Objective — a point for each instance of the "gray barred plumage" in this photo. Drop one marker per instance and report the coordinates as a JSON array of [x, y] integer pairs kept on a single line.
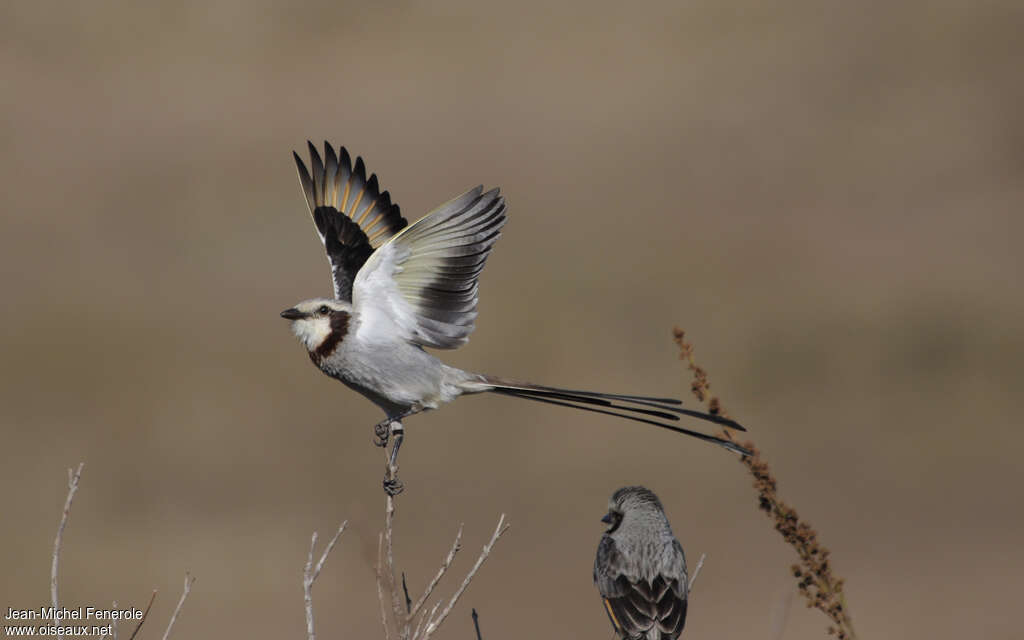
[[640, 568]]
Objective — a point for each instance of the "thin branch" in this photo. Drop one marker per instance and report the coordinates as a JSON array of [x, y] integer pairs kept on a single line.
[[380, 586], [307, 587], [408, 600], [73, 477], [327, 551], [476, 625], [389, 523], [145, 614], [696, 572], [498, 531], [440, 572], [184, 594], [425, 618], [311, 573]]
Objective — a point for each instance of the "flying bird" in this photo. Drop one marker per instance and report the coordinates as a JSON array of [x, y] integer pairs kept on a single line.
[[399, 288], [640, 568]]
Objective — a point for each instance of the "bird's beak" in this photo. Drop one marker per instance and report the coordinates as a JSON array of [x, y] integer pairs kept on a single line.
[[607, 519], [292, 314]]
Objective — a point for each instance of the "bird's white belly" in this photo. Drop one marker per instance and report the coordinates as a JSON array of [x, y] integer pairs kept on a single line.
[[396, 377]]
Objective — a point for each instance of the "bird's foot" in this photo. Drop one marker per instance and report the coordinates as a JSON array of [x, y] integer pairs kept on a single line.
[[393, 486], [382, 433]]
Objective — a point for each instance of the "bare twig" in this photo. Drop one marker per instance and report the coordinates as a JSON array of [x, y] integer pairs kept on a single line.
[[456, 546], [145, 614], [476, 625], [405, 592], [184, 594], [311, 573], [380, 587], [396, 597], [73, 477], [425, 618], [411, 619], [696, 572], [435, 624]]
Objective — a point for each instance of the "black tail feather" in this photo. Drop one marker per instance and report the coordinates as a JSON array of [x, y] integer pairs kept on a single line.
[[663, 405], [617, 396], [596, 400], [580, 400]]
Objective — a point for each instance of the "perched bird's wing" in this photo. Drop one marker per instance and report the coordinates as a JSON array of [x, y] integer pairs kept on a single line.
[[634, 605], [421, 284], [351, 214]]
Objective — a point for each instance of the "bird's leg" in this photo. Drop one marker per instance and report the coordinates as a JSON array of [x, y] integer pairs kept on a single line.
[[392, 485], [382, 430]]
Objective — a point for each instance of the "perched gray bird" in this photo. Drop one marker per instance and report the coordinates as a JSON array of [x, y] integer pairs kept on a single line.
[[640, 569], [399, 288]]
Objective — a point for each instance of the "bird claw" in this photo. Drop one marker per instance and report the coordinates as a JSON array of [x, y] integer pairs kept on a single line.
[[393, 486], [382, 433]]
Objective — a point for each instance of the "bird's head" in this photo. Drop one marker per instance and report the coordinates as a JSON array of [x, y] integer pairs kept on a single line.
[[632, 504], [319, 322]]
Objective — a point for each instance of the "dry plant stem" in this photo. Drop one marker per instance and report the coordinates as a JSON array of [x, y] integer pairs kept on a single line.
[[476, 625], [114, 621], [145, 614], [405, 592], [181, 601], [380, 587], [448, 559], [498, 531], [696, 572], [396, 597], [410, 620], [311, 573], [821, 588], [73, 477]]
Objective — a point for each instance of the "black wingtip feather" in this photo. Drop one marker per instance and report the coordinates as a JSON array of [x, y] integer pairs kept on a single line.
[[331, 165], [306, 181], [318, 173]]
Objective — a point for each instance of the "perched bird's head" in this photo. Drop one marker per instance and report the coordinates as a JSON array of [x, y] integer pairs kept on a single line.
[[320, 323], [633, 506]]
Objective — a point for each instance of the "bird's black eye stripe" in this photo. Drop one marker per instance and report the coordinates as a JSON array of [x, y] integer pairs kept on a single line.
[[324, 309], [616, 521]]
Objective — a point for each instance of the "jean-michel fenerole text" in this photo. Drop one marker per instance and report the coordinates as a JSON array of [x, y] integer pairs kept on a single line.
[[58, 614]]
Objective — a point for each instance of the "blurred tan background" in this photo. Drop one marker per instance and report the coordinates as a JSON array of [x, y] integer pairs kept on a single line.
[[827, 196]]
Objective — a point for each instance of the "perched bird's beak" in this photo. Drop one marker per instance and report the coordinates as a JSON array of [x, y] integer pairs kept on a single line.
[[607, 519], [292, 314]]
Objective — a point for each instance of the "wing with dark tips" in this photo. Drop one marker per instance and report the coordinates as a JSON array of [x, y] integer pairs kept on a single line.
[[637, 606], [352, 215], [422, 284]]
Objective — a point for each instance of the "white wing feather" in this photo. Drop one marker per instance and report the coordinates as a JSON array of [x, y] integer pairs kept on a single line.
[[422, 283]]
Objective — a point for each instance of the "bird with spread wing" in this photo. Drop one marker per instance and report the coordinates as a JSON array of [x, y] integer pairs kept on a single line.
[[399, 288]]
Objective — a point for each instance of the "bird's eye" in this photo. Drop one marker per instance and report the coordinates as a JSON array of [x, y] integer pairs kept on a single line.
[[324, 309], [613, 519]]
